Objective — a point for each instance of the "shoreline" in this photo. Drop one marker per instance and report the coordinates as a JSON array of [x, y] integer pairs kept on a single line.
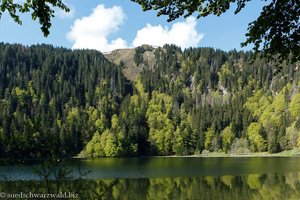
[[288, 153]]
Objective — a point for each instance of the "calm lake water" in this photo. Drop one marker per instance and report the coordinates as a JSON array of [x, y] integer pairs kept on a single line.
[[166, 178]]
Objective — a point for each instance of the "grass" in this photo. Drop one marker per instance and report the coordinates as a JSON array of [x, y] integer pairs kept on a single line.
[[288, 153]]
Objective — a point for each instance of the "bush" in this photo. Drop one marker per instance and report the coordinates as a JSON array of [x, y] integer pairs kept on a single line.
[[240, 146]]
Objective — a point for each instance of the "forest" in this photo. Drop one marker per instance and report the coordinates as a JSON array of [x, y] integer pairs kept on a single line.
[[57, 102]]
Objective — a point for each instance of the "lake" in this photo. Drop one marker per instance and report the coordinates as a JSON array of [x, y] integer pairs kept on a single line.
[[164, 178]]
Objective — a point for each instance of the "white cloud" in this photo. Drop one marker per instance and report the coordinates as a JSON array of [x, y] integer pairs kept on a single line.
[[183, 34], [92, 32]]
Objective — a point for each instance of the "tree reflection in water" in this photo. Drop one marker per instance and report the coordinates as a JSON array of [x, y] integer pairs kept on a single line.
[[268, 186]]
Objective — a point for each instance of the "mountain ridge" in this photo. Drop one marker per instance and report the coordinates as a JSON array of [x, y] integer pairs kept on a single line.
[[129, 61]]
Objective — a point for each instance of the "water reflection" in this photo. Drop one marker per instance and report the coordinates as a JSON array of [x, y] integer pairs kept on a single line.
[[254, 186], [118, 168]]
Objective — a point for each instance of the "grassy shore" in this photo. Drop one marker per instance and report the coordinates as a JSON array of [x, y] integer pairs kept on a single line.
[[288, 153], [294, 152]]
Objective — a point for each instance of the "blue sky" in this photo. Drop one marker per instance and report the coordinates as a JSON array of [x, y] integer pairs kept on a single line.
[[109, 24]]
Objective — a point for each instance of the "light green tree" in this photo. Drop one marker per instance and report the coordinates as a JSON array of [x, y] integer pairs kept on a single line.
[[257, 142], [161, 133], [292, 136], [178, 147], [94, 148], [227, 138], [294, 106], [258, 103], [209, 136], [161, 128]]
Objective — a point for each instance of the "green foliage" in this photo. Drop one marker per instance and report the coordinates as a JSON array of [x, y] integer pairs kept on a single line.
[[277, 26], [292, 135], [178, 148], [161, 128], [273, 146], [94, 148], [227, 138], [103, 145], [160, 103], [257, 142], [225, 75], [110, 148], [209, 135], [274, 114], [139, 86], [138, 55], [294, 106], [52, 101], [161, 132], [240, 146], [56, 102], [258, 103]]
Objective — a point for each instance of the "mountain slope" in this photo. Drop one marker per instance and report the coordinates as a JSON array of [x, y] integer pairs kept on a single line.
[[49, 97], [133, 61], [154, 101]]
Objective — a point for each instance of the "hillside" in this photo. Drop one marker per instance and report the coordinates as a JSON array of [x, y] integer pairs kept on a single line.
[[49, 95], [133, 61], [144, 101]]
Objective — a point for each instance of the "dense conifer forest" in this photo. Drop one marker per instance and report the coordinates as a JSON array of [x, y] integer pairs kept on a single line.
[[56, 102]]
